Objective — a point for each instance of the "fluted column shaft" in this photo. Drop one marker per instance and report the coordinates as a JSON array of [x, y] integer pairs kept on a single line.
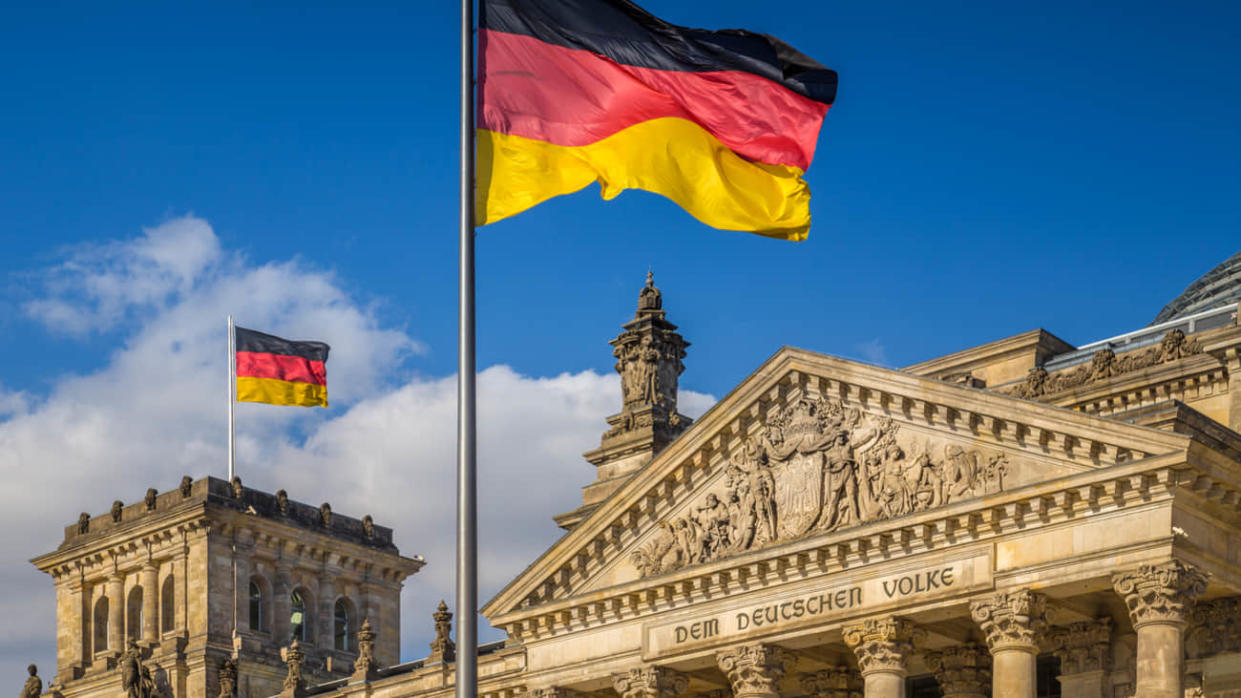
[[150, 599], [882, 647], [1011, 622], [1160, 598], [116, 613], [755, 670]]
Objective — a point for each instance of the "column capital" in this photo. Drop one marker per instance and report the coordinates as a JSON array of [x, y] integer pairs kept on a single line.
[[882, 645], [837, 682], [554, 692], [1160, 593], [650, 682], [1083, 646], [1011, 620], [755, 669], [961, 670]]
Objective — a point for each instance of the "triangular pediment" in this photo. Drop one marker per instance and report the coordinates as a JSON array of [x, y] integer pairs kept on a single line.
[[812, 445]]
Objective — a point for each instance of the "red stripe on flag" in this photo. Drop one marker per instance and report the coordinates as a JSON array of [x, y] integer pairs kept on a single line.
[[294, 369], [571, 97]]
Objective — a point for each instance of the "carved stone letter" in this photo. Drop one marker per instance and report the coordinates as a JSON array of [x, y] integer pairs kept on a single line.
[[755, 670]]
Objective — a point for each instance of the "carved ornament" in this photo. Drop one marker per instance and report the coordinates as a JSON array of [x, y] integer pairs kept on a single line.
[[227, 676], [815, 467], [650, 682], [882, 644], [1084, 646], [1215, 628], [1105, 364], [294, 686], [1161, 593], [365, 666], [755, 669], [1011, 620], [962, 671], [443, 649], [837, 682], [555, 692]]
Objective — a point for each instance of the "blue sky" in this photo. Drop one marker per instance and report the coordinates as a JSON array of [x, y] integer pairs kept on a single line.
[[987, 169]]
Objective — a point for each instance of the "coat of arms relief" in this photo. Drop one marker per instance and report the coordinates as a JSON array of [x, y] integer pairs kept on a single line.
[[817, 467]]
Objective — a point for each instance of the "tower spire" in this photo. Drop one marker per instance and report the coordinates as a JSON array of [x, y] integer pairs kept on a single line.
[[649, 353]]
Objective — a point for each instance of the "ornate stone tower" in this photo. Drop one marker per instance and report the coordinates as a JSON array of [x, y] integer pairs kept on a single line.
[[211, 580], [648, 358]]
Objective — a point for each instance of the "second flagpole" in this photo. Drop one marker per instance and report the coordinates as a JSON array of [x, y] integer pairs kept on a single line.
[[467, 518], [232, 399]]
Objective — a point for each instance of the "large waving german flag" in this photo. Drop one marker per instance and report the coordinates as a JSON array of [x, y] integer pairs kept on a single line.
[[724, 123], [280, 372]]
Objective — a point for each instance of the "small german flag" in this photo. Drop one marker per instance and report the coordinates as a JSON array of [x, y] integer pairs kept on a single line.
[[280, 372]]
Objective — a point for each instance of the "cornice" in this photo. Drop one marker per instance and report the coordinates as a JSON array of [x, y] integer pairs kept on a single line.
[[1140, 484], [986, 353], [1000, 421]]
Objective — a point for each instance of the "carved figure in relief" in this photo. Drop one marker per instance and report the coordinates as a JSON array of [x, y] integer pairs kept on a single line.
[[817, 466], [1106, 363]]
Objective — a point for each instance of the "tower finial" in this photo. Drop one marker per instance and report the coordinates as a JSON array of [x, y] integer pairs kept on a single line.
[[650, 299], [650, 277]]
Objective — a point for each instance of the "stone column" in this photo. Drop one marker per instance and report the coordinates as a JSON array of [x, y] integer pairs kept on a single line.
[[1012, 621], [116, 613], [755, 670], [962, 671], [241, 585], [181, 565], [72, 611], [281, 606], [327, 613], [883, 647], [1160, 598], [650, 682], [150, 602], [1085, 653], [838, 682]]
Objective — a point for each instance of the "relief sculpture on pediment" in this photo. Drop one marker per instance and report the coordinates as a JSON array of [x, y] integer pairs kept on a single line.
[[1104, 364], [816, 467]]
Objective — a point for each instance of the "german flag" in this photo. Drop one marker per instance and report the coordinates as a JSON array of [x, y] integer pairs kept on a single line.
[[724, 123], [280, 372]]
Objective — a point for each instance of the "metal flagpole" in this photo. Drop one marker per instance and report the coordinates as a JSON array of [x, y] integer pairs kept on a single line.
[[467, 536], [232, 398]]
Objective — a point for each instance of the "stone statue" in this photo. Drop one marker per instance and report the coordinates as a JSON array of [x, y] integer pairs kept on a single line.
[[34, 685], [325, 514], [83, 523], [368, 526], [135, 678], [282, 502], [150, 498], [238, 490], [118, 508], [187, 486]]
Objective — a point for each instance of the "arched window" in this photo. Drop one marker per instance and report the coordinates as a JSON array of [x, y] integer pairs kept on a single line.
[[342, 625], [101, 625], [297, 618], [256, 606], [168, 606], [133, 614]]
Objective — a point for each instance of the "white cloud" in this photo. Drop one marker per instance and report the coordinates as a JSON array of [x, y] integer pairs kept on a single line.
[[872, 351], [155, 411]]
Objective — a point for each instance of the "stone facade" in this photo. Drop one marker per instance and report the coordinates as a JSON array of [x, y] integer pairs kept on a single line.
[[1015, 520], [209, 581]]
